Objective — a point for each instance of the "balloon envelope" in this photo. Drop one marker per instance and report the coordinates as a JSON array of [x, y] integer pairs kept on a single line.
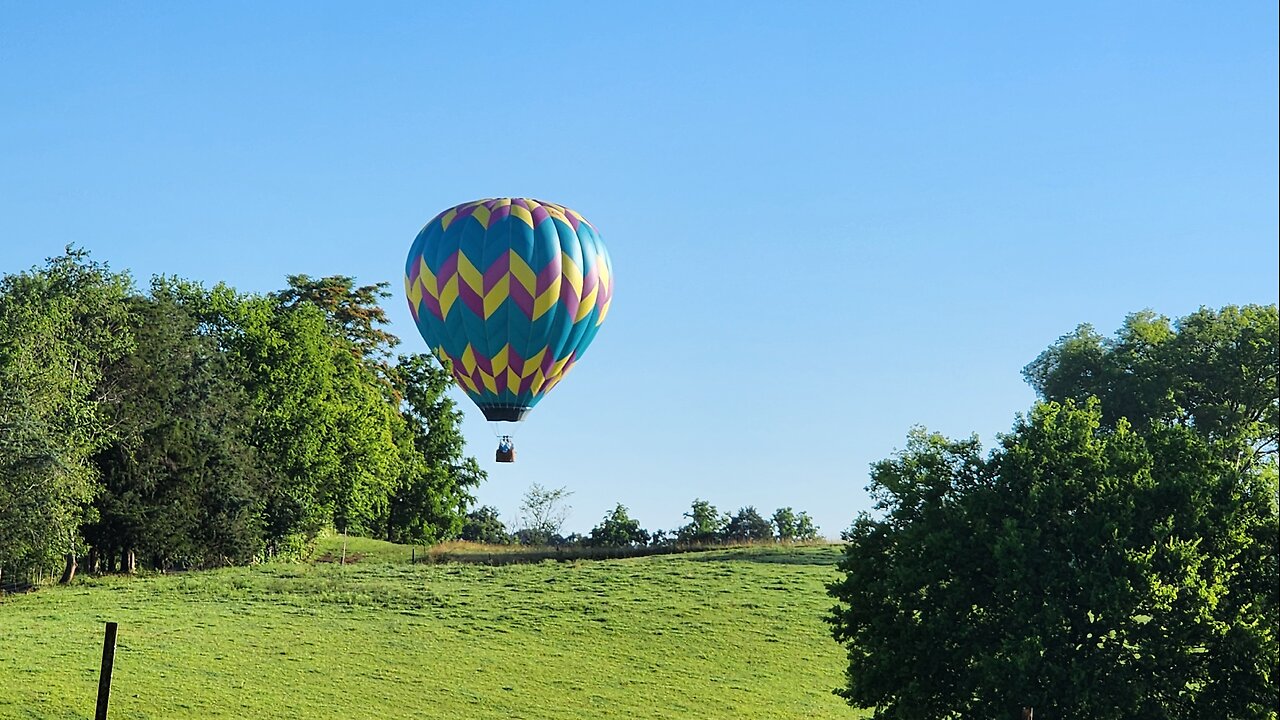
[[510, 291]]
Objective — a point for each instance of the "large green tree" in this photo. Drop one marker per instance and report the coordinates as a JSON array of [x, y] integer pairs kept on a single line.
[[1081, 570], [323, 423], [1115, 557], [403, 469], [181, 483], [60, 325]]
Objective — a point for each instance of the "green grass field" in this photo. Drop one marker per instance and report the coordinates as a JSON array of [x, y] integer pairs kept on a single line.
[[717, 634]]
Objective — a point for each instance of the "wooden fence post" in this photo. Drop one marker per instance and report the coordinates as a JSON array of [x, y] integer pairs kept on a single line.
[[104, 680]]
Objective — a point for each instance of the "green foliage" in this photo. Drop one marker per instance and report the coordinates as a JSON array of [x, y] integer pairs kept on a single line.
[[1080, 570], [330, 421], [1214, 371], [785, 523], [1113, 558], [705, 524], [618, 529], [353, 310], [197, 427], [181, 483], [542, 514], [715, 635], [747, 526], [430, 499], [805, 529], [59, 326], [483, 525], [791, 526]]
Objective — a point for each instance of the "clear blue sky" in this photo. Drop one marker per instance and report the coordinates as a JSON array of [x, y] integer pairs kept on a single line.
[[828, 221]]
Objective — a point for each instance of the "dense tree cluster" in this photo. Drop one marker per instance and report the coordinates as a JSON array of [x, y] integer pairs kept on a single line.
[[543, 512], [1116, 556], [193, 427]]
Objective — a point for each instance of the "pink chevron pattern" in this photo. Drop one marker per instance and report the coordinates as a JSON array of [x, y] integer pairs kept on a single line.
[[508, 300]]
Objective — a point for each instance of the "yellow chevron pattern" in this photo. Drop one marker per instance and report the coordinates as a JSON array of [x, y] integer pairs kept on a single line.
[[469, 303]]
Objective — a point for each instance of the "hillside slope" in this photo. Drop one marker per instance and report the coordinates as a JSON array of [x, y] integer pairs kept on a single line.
[[727, 634]]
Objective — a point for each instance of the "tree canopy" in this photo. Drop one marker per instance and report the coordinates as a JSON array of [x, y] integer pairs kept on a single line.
[[1114, 557], [618, 529], [194, 426]]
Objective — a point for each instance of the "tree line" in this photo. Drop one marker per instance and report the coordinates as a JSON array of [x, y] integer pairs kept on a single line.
[[1116, 555], [543, 512], [180, 425]]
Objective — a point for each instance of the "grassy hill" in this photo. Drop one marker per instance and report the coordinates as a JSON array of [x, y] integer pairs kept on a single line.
[[717, 634]]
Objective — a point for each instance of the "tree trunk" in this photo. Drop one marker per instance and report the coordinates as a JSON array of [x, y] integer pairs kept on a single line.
[[69, 570], [92, 561], [128, 562]]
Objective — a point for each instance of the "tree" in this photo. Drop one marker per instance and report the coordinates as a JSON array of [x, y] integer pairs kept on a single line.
[[1084, 571], [1213, 371], [181, 484], [895, 569], [1105, 561], [420, 492], [792, 526], [430, 499], [805, 529], [353, 310], [704, 526], [748, 526], [60, 325], [784, 523], [618, 529], [324, 422], [542, 514], [196, 426], [483, 525]]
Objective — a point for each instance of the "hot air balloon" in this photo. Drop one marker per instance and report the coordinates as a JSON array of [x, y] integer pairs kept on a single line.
[[510, 292]]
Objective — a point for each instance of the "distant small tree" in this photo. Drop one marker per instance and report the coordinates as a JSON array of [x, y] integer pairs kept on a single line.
[[705, 524], [794, 527], [747, 526], [784, 524], [661, 537], [542, 514], [483, 525], [618, 529], [806, 531]]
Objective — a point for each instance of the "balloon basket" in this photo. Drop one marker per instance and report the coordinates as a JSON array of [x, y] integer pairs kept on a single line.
[[505, 456]]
